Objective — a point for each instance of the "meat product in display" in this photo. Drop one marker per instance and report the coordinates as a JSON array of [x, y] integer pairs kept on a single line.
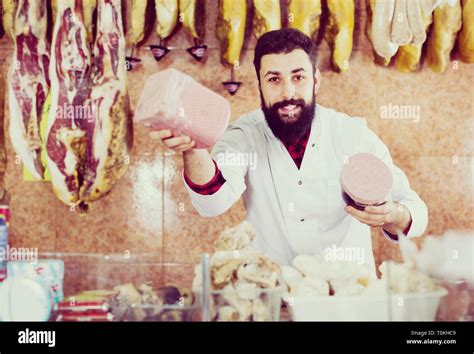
[[230, 29], [70, 88], [8, 16], [244, 279], [408, 56], [138, 17], [88, 8], [266, 17], [466, 36], [415, 21], [28, 83], [304, 15], [112, 135], [88, 133], [193, 15], [401, 32], [166, 17], [378, 30], [447, 22], [366, 179], [173, 100], [339, 31]]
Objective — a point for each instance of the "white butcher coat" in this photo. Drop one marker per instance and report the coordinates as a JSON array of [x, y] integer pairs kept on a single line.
[[300, 211]]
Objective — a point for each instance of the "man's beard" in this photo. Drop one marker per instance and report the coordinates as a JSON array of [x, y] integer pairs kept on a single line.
[[291, 130]]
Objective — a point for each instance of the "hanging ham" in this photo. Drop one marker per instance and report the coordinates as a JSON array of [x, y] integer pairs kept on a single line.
[[266, 17], [89, 132], [111, 140], [8, 15], [166, 17], [69, 120], [28, 83]]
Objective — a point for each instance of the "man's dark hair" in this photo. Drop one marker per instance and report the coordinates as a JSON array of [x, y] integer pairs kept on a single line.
[[284, 40]]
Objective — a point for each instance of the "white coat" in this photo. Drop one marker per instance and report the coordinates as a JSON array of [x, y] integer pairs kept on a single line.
[[300, 211]]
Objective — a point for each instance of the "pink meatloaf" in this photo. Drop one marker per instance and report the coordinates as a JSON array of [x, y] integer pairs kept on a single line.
[[173, 100], [366, 179]]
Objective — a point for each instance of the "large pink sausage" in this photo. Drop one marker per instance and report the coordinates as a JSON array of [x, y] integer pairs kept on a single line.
[[173, 100], [366, 179]]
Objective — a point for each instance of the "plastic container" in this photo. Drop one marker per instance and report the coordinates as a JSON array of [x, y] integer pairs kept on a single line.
[[458, 305], [230, 304], [395, 307], [100, 273], [263, 305], [23, 299], [165, 313], [47, 272], [41, 268]]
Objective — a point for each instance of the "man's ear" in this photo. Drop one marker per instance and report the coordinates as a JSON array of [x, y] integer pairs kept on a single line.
[[317, 81]]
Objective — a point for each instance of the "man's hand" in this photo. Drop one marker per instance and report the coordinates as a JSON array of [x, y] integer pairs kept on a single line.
[[392, 216], [177, 143], [198, 164]]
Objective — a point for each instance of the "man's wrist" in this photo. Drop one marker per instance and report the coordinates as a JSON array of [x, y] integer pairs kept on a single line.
[[402, 220], [192, 152]]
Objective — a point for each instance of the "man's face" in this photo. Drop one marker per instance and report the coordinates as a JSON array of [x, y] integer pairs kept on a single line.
[[287, 89]]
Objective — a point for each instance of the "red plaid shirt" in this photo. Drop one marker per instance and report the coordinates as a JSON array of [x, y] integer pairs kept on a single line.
[[296, 151]]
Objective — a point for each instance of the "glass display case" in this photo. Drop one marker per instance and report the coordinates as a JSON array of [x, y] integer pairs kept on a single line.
[[122, 287]]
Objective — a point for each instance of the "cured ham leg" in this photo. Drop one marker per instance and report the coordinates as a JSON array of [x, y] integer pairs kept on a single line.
[[305, 16], [415, 20], [70, 113], [193, 15], [466, 36], [408, 56], [88, 8], [447, 21], [111, 135], [339, 32], [230, 29], [28, 83], [8, 15], [166, 17], [267, 16], [138, 17], [89, 131], [380, 15], [401, 32]]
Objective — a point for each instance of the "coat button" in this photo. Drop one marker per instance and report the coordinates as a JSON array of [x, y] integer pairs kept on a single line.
[[300, 182], [301, 220], [313, 145]]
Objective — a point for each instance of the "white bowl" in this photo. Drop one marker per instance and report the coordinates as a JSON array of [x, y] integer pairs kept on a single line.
[[403, 307]]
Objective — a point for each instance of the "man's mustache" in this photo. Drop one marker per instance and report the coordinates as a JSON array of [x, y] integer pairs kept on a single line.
[[281, 104]]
